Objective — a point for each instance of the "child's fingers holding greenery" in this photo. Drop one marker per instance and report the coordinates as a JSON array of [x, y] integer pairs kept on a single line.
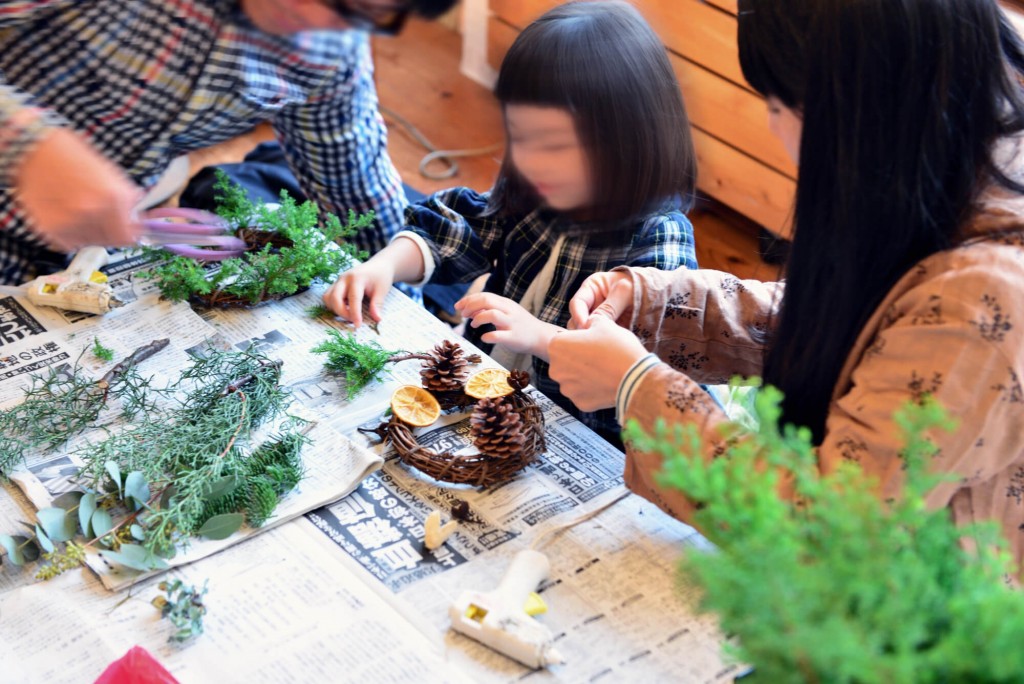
[[605, 294], [516, 328]]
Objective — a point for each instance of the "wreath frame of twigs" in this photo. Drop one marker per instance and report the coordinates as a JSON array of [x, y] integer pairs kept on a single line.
[[476, 469]]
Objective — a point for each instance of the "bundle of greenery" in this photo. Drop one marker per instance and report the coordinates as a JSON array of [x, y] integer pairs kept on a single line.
[[289, 248], [835, 584]]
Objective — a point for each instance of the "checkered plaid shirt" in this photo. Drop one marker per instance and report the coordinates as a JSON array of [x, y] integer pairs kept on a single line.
[[148, 80], [466, 242]]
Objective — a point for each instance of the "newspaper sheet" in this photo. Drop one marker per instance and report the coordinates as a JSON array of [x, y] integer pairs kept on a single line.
[[615, 603], [281, 609], [614, 600], [35, 339]]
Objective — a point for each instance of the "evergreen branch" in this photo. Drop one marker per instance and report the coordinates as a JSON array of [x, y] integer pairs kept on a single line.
[[361, 364], [836, 584], [289, 248], [61, 404]]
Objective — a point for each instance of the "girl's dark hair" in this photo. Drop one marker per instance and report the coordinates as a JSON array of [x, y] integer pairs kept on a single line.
[[902, 102], [603, 63], [431, 9]]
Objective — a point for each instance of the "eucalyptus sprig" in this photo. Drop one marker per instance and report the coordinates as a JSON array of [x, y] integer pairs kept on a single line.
[[835, 584], [184, 607]]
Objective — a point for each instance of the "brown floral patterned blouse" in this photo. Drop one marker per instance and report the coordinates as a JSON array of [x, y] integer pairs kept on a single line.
[[953, 327]]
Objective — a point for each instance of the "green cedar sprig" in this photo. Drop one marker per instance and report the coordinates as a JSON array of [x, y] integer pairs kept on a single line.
[[62, 403], [154, 484], [319, 311], [319, 251], [843, 586], [360, 363], [100, 352]]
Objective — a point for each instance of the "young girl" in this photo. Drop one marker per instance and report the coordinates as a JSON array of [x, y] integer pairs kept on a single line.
[[599, 172], [907, 267]]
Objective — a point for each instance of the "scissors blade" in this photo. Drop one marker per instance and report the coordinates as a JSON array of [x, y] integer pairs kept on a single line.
[[159, 239]]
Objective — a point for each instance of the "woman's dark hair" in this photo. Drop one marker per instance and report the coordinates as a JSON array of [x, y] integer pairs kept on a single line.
[[603, 63], [902, 102]]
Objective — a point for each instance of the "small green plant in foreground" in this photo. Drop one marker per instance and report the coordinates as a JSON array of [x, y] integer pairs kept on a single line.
[[842, 587]]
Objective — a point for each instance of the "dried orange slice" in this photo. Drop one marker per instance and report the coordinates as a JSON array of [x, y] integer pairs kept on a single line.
[[415, 406], [489, 383]]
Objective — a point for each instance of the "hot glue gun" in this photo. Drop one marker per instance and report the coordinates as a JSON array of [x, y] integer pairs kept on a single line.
[[82, 287], [501, 618]]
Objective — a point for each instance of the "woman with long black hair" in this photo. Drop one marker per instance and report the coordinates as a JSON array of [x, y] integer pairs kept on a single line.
[[907, 267]]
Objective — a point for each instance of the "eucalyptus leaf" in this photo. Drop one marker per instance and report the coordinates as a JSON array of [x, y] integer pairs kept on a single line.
[[221, 526], [86, 507], [138, 532], [135, 557], [13, 546], [136, 487], [43, 540], [68, 500], [102, 522], [115, 474], [57, 523], [220, 488]]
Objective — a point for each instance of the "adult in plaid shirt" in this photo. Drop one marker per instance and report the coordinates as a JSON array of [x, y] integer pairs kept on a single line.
[[97, 96]]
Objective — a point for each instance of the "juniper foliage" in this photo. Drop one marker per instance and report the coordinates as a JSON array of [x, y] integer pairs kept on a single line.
[[842, 587]]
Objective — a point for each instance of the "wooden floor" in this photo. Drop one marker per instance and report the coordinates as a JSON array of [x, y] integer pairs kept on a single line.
[[419, 84]]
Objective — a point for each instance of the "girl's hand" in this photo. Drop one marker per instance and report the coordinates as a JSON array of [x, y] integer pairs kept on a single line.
[[372, 279], [589, 365], [399, 261], [517, 328], [602, 295], [75, 196]]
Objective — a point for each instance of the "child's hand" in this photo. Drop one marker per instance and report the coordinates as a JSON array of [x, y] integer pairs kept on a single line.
[[399, 261], [372, 279], [517, 329]]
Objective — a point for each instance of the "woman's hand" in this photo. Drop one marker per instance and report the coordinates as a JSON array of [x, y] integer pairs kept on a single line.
[[75, 196], [589, 365], [400, 261], [517, 329], [606, 295]]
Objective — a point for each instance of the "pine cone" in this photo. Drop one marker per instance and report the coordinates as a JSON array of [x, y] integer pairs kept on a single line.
[[496, 428], [446, 371], [518, 379]]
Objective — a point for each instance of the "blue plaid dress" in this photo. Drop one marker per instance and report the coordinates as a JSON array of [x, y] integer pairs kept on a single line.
[[466, 242], [148, 80]]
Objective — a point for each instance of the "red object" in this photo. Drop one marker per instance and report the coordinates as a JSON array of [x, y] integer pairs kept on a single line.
[[136, 667]]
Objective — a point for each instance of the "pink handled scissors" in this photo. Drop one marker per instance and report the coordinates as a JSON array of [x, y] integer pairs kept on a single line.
[[191, 233]]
